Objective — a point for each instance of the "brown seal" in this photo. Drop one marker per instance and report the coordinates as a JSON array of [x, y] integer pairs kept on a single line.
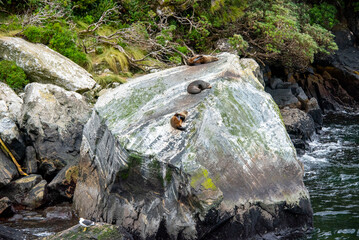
[[201, 59], [178, 119]]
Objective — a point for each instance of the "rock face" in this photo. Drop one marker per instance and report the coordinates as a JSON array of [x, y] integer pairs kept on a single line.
[[53, 119], [8, 170], [42, 64], [10, 110], [10, 103], [232, 174]]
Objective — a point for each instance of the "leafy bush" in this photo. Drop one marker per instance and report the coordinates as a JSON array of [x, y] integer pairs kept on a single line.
[[12, 75], [278, 31], [59, 38], [237, 42], [324, 15]]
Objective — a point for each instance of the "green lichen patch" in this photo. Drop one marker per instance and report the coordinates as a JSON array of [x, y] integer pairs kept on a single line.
[[125, 108], [202, 178]]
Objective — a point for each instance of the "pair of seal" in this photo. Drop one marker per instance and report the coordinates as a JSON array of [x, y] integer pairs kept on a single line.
[[201, 59], [178, 119]]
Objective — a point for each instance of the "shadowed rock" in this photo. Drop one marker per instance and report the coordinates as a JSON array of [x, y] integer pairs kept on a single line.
[[8, 170], [53, 118], [232, 174]]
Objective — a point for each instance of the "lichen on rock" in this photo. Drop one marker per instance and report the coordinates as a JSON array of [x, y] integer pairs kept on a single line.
[[234, 158]]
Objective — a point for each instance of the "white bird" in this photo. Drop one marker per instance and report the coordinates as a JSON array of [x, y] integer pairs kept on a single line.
[[86, 223]]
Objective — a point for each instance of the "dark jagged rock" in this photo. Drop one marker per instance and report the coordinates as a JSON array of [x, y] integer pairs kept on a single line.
[[30, 160], [17, 190], [8, 233], [283, 97], [6, 209], [62, 187], [233, 173], [300, 126], [313, 109], [8, 170]]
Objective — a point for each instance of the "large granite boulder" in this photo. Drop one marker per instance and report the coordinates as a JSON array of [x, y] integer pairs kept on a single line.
[[53, 119], [42, 64], [232, 174]]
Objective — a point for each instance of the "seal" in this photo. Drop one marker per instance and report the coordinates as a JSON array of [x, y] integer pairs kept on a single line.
[[178, 119], [201, 59], [197, 86]]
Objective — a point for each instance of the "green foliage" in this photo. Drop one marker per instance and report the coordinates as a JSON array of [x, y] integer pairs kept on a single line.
[[58, 37], [356, 6], [281, 34], [237, 42], [324, 15], [166, 35], [12, 75], [198, 36], [106, 80]]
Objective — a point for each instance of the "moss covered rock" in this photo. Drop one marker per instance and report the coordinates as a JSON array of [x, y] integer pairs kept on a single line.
[[234, 166]]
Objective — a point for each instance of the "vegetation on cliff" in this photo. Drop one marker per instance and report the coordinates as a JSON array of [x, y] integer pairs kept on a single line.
[[130, 36]]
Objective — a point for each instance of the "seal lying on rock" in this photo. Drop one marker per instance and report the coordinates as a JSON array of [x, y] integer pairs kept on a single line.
[[201, 59], [178, 119], [197, 86]]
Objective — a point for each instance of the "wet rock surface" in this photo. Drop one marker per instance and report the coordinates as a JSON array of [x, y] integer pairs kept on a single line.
[[100, 231], [9, 233], [138, 172]]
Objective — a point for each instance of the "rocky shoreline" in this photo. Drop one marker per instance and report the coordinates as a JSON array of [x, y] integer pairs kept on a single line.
[[159, 187]]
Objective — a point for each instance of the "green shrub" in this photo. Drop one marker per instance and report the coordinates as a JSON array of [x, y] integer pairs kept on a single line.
[[278, 32], [12, 75], [238, 43], [59, 38], [324, 15]]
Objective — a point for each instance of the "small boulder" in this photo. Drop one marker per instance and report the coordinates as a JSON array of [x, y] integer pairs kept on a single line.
[[16, 191], [300, 126], [273, 82], [65, 182], [284, 97], [36, 196]]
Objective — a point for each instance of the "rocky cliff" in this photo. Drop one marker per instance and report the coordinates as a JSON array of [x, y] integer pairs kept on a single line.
[[232, 174]]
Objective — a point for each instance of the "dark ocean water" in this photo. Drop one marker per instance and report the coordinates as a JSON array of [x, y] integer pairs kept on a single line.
[[332, 178]]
